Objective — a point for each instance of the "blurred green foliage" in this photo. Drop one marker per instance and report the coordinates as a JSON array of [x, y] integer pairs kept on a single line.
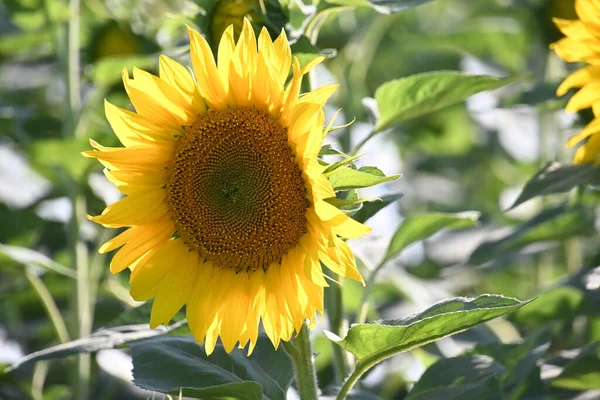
[[453, 156]]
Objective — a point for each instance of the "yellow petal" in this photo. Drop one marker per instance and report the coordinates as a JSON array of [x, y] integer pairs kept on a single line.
[[141, 208], [584, 98], [133, 129], [591, 129], [174, 289], [589, 152], [319, 96], [224, 55], [209, 82], [140, 245], [579, 79], [180, 78], [283, 56], [145, 279]]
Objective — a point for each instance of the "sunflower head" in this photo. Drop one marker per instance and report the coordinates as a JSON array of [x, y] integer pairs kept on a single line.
[[582, 43], [225, 206]]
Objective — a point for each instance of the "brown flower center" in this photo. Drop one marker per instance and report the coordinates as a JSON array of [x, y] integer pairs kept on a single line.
[[236, 193]]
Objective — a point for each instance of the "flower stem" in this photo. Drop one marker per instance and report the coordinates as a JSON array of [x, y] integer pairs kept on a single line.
[[300, 350]]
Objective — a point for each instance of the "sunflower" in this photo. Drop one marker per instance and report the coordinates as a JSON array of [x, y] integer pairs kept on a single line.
[[226, 204], [582, 44]]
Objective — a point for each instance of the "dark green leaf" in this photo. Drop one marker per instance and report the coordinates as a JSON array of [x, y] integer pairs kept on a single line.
[[557, 178], [520, 360], [347, 178], [422, 226], [554, 224], [371, 208], [406, 98], [372, 343], [465, 373], [167, 363], [488, 389]]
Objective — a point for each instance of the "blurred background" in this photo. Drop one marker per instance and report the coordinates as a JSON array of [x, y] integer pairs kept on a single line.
[[56, 70]]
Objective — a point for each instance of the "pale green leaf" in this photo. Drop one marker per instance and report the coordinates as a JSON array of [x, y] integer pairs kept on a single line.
[[423, 226], [406, 98]]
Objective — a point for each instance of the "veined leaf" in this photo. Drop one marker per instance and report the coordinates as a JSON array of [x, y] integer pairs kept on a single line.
[[461, 377], [168, 363], [371, 208], [553, 224], [406, 98], [422, 226], [374, 342], [557, 178], [347, 178]]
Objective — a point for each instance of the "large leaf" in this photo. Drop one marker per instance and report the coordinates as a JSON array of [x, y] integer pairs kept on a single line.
[[168, 363], [382, 6], [550, 225], [374, 342], [458, 378], [406, 98], [423, 226], [557, 178], [346, 178]]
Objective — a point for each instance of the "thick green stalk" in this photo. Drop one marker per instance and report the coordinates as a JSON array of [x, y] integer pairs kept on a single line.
[[300, 350]]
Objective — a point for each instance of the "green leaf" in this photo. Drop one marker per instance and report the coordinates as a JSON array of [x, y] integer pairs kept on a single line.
[[339, 203], [328, 150], [583, 373], [332, 167], [28, 257], [550, 225], [381, 6], [48, 154], [107, 71], [466, 376], [407, 98], [488, 389], [168, 363], [374, 342], [371, 208], [521, 362], [422, 226], [557, 303], [102, 339], [346, 178], [557, 178]]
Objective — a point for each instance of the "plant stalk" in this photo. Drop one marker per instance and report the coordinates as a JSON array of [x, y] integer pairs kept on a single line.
[[300, 350], [334, 307], [78, 250]]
